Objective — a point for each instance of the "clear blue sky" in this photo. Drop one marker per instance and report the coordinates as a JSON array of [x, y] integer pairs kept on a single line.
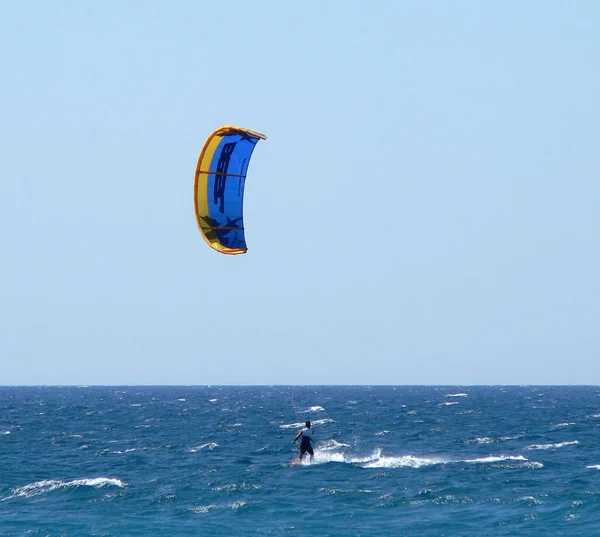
[[426, 209]]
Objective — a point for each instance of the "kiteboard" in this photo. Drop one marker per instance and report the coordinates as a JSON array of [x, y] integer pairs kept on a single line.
[[296, 462]]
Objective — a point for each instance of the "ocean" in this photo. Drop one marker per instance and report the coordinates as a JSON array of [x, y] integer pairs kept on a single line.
[[215, 461]]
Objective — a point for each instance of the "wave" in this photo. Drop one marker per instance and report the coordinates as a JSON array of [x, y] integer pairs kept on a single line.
[[594, 466], [553, 446], [457, 395], [46, 486]]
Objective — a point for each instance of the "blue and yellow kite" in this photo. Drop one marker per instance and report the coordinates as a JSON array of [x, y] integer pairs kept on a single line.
[[219, 187]]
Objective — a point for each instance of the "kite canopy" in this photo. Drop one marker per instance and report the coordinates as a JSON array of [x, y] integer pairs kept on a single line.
[[219, 187]]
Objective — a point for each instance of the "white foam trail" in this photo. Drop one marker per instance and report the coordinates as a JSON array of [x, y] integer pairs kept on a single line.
[[564, 424], [324, 457], [404, 461], [457, 395], [42, 487], [594, 466], [553, 446], [329, 452]]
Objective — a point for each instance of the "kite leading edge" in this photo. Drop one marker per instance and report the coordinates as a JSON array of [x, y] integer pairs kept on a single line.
[[219, 187]]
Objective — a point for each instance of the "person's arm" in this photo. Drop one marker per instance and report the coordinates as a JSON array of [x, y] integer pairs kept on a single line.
[[297, 436]]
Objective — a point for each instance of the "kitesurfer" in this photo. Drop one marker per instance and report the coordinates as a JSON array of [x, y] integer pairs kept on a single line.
[[306, 437]]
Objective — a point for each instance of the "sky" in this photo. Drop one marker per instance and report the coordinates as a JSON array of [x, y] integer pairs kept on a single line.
[[425, 210]]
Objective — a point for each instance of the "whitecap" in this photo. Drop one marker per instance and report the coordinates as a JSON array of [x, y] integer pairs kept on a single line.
[[553, 446], [496, 458], [329, 445], [529, 500], [448, 403], [381, 433], [480, 440], [212, 507], [314, 409], [50, 485], [322, 421], [301, 424], [291, 425], [209, 445], [457, 395], [234, 487], [532, 464]]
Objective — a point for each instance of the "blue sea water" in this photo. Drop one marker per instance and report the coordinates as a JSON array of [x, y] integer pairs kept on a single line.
[[390, 461]]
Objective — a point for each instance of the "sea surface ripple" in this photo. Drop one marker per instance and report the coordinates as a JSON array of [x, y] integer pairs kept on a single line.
[[215, 460]]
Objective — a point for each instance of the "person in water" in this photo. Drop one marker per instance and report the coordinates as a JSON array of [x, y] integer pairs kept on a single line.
[[306, 437]]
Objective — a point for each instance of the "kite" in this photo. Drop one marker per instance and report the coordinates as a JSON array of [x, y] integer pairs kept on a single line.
[[219, 187]]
